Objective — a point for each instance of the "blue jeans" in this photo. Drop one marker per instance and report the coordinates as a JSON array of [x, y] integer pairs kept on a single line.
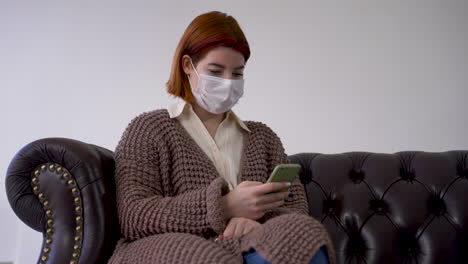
[[252, 257]]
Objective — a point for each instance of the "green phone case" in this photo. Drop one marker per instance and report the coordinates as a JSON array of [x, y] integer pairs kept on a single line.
[[284, 173]]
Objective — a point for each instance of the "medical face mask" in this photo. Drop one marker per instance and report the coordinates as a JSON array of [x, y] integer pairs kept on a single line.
[[217, 95]]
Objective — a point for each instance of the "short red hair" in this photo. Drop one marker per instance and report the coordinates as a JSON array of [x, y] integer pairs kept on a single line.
[[205, 32]]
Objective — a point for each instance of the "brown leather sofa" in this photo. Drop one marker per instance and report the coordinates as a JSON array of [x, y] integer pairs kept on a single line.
[[407, 207]]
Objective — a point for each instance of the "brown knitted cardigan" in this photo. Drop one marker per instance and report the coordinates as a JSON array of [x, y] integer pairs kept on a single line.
[[169, 199]]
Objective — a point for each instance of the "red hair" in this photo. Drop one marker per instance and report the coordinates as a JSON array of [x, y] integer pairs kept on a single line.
[[205, 32]]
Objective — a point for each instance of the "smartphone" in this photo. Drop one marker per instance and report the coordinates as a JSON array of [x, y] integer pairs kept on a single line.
[[284, 173]]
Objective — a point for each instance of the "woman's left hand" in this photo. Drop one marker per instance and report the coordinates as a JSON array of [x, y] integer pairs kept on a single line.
[[239, 226]]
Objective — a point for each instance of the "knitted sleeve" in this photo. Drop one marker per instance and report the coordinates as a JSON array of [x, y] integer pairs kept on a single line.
[[142, 206], [298, 203]]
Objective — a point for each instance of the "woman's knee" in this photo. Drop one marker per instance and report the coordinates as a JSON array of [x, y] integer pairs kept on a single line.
[[294, 221]]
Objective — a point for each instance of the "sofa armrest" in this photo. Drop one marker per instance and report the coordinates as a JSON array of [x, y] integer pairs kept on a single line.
[[65, 189]]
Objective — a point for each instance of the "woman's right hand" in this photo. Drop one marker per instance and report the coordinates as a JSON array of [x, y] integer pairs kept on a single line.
[[251, 199]]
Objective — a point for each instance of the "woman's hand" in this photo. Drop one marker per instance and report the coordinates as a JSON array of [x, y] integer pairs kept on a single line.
[[239, 226], [252, 199]]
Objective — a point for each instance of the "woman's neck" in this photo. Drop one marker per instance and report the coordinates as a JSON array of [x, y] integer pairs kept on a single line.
[[210, 120]]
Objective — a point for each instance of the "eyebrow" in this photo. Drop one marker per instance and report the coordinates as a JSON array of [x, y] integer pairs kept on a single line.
[[222, 66]]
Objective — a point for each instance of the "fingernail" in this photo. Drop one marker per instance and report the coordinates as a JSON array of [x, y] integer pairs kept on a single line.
[[291, 194]]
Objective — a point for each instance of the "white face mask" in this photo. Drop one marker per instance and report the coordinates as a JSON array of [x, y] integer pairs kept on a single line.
[[217, 95]]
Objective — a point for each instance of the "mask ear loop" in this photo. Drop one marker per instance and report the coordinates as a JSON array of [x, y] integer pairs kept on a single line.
[[191, 62]]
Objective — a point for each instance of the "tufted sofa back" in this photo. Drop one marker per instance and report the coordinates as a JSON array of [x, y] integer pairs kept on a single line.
[[407, 207]]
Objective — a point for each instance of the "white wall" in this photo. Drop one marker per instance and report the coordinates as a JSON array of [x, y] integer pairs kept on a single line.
[[366, 75]]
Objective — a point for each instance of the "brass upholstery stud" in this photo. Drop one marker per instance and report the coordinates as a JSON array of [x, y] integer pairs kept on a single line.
[[59, 169], [37, 172], [49, 241], [73, 262], [46, 250], [77, 199], [78, 228], [75, 190], [41, 196], [79, 218], [51, 167], [66, 175], [77, 238], [46, 203], [50, 222], [75, 255], [50, 230], [49, 212], [43, 167], [78, 209], [44, 258], [76, 247], [35, 180], [36, 188], [71, 182]]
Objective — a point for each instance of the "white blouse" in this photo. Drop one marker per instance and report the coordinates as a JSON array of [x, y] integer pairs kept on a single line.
[[225, 149]]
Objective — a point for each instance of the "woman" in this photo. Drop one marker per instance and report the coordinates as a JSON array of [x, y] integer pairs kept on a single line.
[[191, 179]]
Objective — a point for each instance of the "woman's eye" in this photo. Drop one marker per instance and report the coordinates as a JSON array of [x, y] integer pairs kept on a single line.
[[215, 72], [238, 74]]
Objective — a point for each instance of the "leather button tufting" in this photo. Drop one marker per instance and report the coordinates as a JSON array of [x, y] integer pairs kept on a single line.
[[356, 248], [436, 205], [407, 175], [330, 206], [462, 172], [356, 176], [378, 206], [408, 244]]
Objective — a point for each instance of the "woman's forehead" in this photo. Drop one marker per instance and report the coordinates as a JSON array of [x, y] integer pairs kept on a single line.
[[224, 57]]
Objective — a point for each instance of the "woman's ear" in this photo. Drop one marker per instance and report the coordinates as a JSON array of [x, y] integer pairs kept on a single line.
[[187, 65]]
